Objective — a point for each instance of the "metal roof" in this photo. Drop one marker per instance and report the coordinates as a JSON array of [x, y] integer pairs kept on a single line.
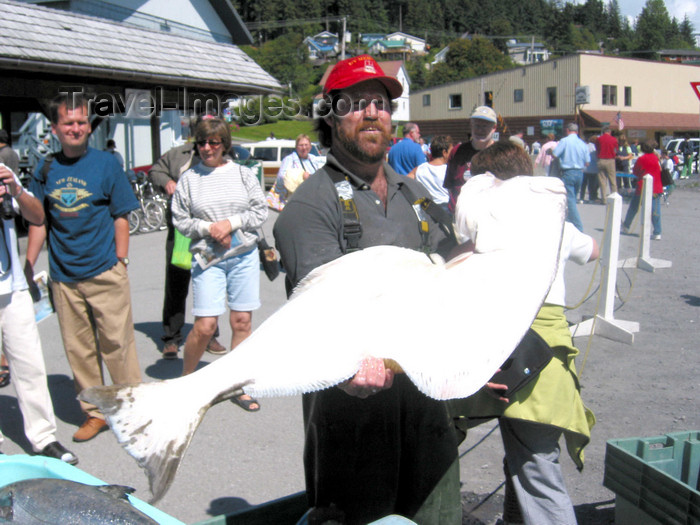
[[35, 38]]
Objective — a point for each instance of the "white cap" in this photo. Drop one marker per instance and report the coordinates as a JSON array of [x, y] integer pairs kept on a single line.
[[485, 113]]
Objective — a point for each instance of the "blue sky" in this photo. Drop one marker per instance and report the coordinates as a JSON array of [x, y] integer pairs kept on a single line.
[[677, 8]]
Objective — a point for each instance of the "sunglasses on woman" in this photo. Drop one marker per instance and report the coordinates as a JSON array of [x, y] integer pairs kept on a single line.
[[212, 143]]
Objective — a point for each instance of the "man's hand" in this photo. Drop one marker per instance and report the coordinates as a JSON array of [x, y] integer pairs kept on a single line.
[[220, 231], [7, 180], [372, 377], [496, 390], [170, 187]]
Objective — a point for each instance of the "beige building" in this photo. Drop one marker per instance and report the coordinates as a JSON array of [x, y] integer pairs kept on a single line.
[[653, 99]]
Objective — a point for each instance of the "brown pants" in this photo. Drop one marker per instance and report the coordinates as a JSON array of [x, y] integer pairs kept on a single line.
[[96, 325], [606, 173]]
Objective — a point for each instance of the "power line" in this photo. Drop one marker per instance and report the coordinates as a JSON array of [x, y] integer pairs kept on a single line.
[[271, 24]]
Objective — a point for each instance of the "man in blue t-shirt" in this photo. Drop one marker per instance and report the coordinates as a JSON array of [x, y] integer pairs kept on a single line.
[[407, 155], [87, 198]]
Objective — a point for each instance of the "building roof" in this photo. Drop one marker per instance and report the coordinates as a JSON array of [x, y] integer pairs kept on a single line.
[[388, 44], [641, 120], [236, 31], [405, 36], [35, 38], [319, 46]]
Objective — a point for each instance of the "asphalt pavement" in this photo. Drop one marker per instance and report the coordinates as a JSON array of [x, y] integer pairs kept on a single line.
[[239, 459]]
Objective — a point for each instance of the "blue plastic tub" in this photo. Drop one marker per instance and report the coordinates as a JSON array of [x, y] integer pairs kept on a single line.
[[19, 467]]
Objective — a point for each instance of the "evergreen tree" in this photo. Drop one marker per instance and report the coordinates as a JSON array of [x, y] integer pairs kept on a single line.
[[687, 32], [652, 29], [614, 20]]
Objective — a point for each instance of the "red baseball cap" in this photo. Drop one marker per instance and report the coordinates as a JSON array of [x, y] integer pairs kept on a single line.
[[354, 70]]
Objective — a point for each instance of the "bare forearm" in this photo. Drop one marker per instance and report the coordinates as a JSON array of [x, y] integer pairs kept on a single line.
[[35, 240], [121, 236], [30, 208]]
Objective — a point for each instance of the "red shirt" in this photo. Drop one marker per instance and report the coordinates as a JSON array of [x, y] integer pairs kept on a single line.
[[648, 164], [606, 146]]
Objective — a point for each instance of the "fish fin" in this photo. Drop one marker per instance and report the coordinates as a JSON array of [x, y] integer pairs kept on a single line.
[[6, 511], [117, 491], [155, 432]]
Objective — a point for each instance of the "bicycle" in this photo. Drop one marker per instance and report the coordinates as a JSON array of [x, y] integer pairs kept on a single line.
[[150, 216]]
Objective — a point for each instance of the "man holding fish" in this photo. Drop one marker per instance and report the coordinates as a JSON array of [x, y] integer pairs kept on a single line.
[[375, 445]]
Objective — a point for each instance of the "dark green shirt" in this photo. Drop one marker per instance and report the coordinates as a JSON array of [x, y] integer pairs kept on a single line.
[[309, 231]]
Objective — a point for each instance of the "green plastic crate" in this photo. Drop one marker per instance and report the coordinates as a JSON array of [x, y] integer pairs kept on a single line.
[[659, 476]]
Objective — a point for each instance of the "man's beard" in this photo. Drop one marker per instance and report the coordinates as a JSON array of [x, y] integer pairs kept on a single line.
[[355, 147]]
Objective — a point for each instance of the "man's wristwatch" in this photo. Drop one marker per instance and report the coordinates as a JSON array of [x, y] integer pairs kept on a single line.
[[124, 260]]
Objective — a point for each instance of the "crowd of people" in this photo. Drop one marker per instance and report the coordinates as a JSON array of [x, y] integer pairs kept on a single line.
[[374, 446]]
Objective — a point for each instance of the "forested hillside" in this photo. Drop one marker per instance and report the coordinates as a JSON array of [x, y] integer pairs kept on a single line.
[[562, 26]]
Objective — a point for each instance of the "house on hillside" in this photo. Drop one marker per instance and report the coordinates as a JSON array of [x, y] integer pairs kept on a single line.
[[322, 46], [642, 98], [416, 44], [388, 49], [527, 52], [149, 72], [396, 69], [366, 38]]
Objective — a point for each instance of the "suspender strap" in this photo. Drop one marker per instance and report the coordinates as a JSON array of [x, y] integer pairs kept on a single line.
[[352, 229], [435, 211]]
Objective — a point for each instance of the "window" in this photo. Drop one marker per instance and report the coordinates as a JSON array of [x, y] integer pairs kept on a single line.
[[628, 95], [488, 98], [517, 95], [426, 100], [551, 97], [456, 101], [609, 95], [265, 153]]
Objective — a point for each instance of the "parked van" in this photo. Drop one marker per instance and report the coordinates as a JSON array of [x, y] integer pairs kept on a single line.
[[674, 148], [271, 153], [674, 145]]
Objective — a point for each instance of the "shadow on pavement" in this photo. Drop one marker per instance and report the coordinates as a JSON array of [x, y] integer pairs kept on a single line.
[[225, 506], [63, 396], [12, 423], [692, 300]]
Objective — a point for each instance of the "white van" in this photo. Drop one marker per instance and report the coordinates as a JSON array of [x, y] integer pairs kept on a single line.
[[674, 147], [271, 153]]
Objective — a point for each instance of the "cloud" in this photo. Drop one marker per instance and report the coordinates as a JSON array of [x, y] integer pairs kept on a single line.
[[681, 8]]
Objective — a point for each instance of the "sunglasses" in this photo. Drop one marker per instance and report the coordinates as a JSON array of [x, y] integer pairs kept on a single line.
[[212, 143]]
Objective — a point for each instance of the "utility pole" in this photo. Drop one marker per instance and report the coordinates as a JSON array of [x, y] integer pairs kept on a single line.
[[342, 43]]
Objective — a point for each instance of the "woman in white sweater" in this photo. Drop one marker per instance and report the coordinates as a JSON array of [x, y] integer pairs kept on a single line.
[[219, 204]]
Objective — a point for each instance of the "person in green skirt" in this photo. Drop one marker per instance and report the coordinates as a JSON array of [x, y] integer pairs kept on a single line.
[[533, 419]]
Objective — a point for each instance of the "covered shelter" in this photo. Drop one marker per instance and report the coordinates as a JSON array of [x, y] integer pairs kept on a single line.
[[133, 71]]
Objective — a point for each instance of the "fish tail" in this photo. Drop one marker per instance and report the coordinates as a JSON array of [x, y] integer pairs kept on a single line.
[[151, 426]]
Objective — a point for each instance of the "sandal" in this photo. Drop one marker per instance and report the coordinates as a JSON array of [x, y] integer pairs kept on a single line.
[[4, 376], [245, 403]]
